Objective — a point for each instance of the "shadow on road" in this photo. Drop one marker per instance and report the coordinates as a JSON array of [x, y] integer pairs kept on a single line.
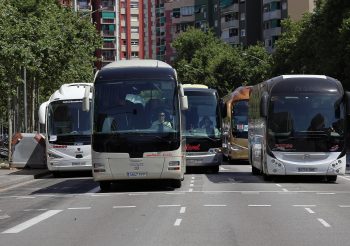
[[141, 186]]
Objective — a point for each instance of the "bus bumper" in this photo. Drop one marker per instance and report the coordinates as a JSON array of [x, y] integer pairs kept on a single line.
[[69, 165], [200, 159]]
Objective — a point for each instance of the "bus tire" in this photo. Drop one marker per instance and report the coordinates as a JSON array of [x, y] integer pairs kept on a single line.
[[176, 183], [105, 185], [332, 178], [255, 171]]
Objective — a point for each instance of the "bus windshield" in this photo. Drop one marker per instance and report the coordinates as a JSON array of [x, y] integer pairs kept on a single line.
[[240, 119], [202, 117], [306, 123], [67, 118]]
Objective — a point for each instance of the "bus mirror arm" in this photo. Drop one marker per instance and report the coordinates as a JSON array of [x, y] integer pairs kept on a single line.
[[223, 109], [86, 99], [263, 105]]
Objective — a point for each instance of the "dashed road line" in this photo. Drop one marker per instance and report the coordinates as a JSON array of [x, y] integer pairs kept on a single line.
[[279, 185], [177, 222], [190, 190], [323, 222], [192, 177], [32, 222], [344, 206], [79, 208], [5, 216], [182, 210], [285, 190], [191, 185], [309, 210]]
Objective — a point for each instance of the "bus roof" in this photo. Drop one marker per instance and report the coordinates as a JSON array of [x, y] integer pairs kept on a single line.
[[69, 92], [240, 93], [137, 63], [195, 86]]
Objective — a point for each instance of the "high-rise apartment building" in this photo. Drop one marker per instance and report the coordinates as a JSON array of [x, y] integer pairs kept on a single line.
[[241, 21], [276, 10]]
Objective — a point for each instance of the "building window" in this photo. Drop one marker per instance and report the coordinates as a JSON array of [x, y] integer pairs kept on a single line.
[[176, 13], [243, 33], [233, 32], [187, 10], [242, 16], [134, 29], [134, 42], [134, 5], [134, 18], [134, 54]]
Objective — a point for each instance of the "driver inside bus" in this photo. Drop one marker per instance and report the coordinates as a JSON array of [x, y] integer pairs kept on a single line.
[[161, 122]]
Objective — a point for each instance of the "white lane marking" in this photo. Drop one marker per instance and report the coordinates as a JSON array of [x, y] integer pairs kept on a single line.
[[23, 197], [131, 206], [182, 210], [39, 209], [323, 222], [192, 177], [170, 205], [285, 190], [94, 190], [344, 206], [31, 222], [190, 190], [344, 177], [79, 208], [325, 193], [259, 205], [279, 185], [5, 216], [214, 205], [177, 222], [192, 181], [46, 195], [191, 185], [223, 169], [309, 210], [304, 205]]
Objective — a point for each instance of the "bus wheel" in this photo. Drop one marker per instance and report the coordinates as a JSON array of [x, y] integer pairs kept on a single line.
[[176, 183], [105, 185], [255, 171], [332, 178]]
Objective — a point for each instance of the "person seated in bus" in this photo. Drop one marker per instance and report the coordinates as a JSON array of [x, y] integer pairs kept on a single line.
[[317, 123], [161, 123], [207, 124]]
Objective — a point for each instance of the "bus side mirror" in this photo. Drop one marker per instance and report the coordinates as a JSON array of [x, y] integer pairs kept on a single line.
[[42, 112], [86, 99], [184, 103], [263, 105], [347, 102]]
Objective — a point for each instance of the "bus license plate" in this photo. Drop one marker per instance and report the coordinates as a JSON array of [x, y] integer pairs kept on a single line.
[[78, 163], [136, 174], [307, 169]]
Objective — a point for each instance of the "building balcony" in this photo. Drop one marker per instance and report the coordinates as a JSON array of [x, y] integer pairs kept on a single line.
[[135, 36], [272, 15], [272, 32], [123, 35], [134, 11], [108, 58], [232, 8], [122, 11], [230, 24], [134, 23], [107, 21], [108, 33], [135, 48], [108, 45], [84, 6], [231, 40]]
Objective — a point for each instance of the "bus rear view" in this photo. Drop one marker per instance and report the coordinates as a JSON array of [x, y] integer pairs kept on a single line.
[[137, 130]]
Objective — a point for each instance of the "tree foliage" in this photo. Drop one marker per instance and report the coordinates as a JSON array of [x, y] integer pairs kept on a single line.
[[53, 43], [201, 58]]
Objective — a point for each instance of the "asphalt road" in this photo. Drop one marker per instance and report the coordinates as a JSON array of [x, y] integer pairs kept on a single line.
[[229, 208]]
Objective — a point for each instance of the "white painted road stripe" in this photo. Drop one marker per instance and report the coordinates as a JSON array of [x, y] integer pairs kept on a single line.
[[31, 222], [191, 185], [323, 222], [177, 222], [175, 205], [326, 193], [190, 190], [79, 208], [193, 177], [344, 177], [285, 190], [344, 206], [182, 210], [309, 210], [279, 185], [124, 206], [259, 205]]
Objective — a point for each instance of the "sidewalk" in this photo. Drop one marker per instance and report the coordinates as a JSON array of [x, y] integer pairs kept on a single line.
[[14, 176]]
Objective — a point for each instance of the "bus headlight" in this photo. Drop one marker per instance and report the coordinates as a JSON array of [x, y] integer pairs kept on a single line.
[[54, 156], [277, 166], [214, 150], [174, 165]]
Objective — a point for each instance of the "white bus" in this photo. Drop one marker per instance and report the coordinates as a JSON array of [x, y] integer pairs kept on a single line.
[[67, 129], [203, 127], [137, 123], [297, 127]]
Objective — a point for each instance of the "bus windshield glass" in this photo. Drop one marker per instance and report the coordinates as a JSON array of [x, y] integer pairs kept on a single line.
[[139, 106], [67, 118], [240, 119], [306, 123], [202, 117]]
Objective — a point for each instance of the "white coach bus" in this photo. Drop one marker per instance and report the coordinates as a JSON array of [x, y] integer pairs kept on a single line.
[[67, 129], [137, 123], [297, 126]]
